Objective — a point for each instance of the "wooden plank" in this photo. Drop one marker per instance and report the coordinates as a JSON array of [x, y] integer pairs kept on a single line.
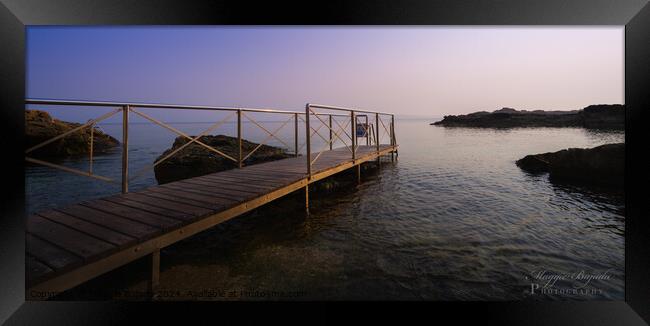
[[264, 171], [294, 168], [55, 257], [327, 158], [278, 163], [334, 160], [218, 190], [176, 206], [175, 199], [154, 220], [259, 173], [289, 160], [213, 199], [71, 240], [340, 154], [273, 175], [35, 270], [254, 182], [283, 171], [238, 183], [177, 215], [272, 183], [231, 181], [278, 172], [209, 199], [94, 230], [296, 164], [319, 166], [113, 222], [267, 181], [215, 190], [264, 175], [337, 154], [326, 165]]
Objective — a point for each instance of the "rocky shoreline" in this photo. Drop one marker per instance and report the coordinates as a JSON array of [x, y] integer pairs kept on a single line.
[[599, 166], [40, 126], [600, 116]]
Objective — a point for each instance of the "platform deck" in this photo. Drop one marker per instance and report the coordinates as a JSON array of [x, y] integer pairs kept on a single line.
[[71, 245]]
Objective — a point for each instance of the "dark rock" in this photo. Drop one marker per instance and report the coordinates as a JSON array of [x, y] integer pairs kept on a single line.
[[40, 126], [604, 116], [600, 116], [195, 160], [603, 165], [535, 163]]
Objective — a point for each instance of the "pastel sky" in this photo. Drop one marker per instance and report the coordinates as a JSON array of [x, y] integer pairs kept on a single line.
[[424, 71]]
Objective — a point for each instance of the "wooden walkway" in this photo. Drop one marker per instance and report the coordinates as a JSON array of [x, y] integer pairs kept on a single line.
[[68, 246]]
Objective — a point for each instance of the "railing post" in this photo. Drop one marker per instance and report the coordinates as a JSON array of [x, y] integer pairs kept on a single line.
[[392, 137], [377, 130], [308, 140], [307, 198], [90, 158], [367, 132], [331, 142], [295, 115], [353, 136], [154, 282], [239, 161], [125, 148], [392, 130]]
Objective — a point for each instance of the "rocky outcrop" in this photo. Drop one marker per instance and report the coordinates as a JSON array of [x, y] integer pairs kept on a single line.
[[602, 116], [40, 126], [603, 165], [195, 160]]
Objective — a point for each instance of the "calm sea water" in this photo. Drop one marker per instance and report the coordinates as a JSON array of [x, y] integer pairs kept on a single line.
[[453, 219]]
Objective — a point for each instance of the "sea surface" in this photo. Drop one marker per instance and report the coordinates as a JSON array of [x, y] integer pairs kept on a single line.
[[452, 219]]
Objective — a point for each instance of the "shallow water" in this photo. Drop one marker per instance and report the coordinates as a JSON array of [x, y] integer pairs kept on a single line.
[[453, 219]]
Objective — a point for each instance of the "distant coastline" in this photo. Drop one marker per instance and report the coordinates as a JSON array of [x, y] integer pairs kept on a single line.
[[600, 116]]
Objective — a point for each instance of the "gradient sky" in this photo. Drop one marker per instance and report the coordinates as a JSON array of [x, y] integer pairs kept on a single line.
[[425, 71]]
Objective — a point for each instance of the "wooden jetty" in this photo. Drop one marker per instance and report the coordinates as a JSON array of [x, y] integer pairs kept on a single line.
[[68, 246]]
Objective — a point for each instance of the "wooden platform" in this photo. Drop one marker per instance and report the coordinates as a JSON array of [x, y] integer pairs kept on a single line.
[[68, 246]]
